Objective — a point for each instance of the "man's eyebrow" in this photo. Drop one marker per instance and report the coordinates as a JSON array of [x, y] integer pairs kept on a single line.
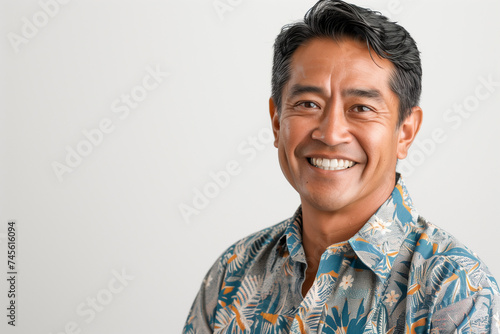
[[367, 93], [298, 89]]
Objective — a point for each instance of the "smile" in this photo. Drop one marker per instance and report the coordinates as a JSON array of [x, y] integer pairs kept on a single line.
[[331, 164]]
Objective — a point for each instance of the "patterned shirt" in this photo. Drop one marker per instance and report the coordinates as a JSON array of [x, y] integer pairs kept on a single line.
[[398, 274]]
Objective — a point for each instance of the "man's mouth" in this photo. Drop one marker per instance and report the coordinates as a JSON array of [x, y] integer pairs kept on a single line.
[[331, 164]]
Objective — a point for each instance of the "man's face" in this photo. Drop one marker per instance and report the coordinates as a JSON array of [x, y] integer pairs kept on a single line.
[[337, 136]]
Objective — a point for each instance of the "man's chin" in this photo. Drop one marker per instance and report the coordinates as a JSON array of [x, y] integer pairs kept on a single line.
[[326, 203]]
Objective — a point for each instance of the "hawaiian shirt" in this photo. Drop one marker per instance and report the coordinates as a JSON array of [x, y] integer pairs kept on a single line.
[[398, 274]]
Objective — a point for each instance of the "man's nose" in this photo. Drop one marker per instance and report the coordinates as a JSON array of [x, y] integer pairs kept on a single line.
[[333, 127]]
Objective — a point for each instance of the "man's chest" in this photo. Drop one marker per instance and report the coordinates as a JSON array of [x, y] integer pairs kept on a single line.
[[351, 300]]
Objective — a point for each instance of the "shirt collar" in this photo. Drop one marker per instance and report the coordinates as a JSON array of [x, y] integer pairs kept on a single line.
[[378, 242], [292, 239]]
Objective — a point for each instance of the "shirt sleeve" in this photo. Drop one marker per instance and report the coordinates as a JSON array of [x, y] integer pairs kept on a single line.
[[201, 316], [478, 313]]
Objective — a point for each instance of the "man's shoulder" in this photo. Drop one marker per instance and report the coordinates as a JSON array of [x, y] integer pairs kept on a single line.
[[440, 260], [446, 281], [434, 242], [248, 249]]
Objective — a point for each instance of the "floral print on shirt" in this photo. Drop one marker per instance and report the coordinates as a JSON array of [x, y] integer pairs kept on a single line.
[[398, 274]]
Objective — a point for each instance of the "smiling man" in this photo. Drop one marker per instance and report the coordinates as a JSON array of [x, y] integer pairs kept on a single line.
[[339, 138], [356, 257]]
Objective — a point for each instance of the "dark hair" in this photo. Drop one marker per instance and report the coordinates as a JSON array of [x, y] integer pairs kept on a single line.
[[336, 19]]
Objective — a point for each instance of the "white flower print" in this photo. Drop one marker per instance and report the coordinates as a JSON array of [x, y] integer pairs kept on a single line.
[[391, 297], [347, 282], [380, 226]]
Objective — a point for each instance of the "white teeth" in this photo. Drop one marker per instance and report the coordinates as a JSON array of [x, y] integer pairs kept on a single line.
[[331, 164]]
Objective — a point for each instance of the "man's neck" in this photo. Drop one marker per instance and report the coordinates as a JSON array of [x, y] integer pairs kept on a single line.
[[321, 229]]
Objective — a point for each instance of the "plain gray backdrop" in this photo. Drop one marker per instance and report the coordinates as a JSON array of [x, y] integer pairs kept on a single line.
[[103, 246]]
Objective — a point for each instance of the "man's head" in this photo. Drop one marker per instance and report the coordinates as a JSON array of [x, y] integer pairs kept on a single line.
[[336, 20], [340, 108]]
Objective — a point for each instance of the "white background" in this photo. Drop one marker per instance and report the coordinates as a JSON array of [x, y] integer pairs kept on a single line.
[[118, 210]]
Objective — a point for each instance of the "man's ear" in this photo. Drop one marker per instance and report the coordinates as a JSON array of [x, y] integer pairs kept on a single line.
[[408, 130], [275, 121]]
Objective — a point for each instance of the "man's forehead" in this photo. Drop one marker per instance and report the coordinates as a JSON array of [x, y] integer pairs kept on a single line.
[[319, 62]]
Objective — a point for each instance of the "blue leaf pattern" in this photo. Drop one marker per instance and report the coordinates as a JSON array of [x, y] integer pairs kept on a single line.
[[398, 274]]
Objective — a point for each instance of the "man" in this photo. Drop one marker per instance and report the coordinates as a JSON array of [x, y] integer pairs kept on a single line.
[[356, 257]]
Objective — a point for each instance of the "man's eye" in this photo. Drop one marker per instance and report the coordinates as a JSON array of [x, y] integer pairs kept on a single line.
[[308, 104], [361, 109]]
